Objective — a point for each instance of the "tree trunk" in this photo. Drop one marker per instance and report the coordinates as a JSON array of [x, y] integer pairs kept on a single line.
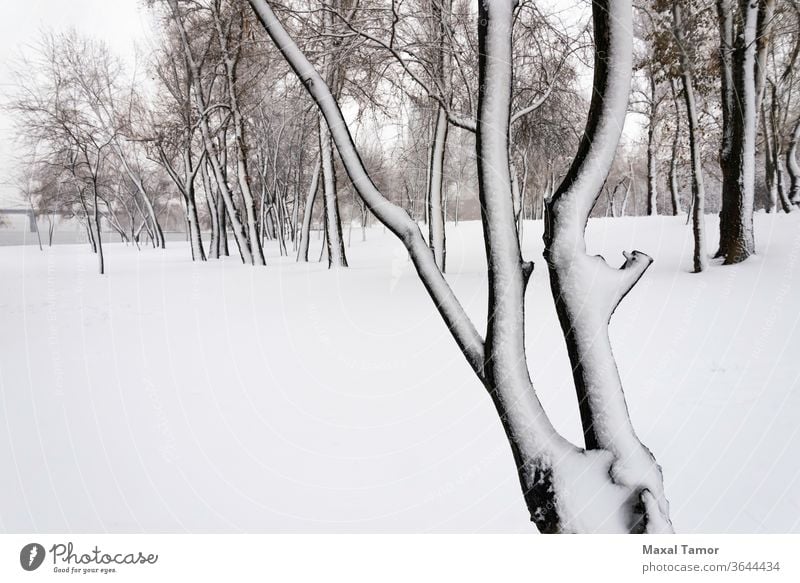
[[736, 226], [212, 151], [308, 212], [98, 235], [725, 13], [792, 166], [195, 238], [698, 187], [652, 161], [333, 224], [766, 18], [566, 489], [158, 234], [213, 212], [674, 182], [587, 290], [435, 212], [230, 60], [771, 181], [223, 230]]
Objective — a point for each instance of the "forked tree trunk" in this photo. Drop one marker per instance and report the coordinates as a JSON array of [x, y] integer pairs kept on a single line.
[[185, 185], [587, 291], [157, 232], [195, 237], [614, 485], [698, 186]]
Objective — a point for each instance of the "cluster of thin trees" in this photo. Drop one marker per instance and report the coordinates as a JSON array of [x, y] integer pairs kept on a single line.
[[212, 121], [401, 110]]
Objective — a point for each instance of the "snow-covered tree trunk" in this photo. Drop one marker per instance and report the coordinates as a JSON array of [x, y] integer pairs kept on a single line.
[[230, 58], [771, 181], [698, 187], [766, 19], [198, 253], [674, 181], [792, 167], [158, 233], [332, 220], [725, 14], [440, 12], [239, 234], [213, 211], [333, 224], [212, 151], [738, 191], [776, 150], [615, 487], [587, 290], [516, 198], [308, 212], [94, 223], [186, 187], [652, 160], [222, 215], [435, 211]]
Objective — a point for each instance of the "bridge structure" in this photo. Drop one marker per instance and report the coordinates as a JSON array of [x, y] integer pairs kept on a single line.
[[30, 214]]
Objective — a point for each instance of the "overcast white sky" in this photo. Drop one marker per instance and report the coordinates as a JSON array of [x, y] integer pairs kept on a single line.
[[119, 22]]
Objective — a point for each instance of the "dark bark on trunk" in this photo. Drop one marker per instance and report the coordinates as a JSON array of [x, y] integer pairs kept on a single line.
[[222, 213], [98, 236], [440, 11], [725, 13], [698, 187], [231, 62], [674, 181], [435, 210], [333, 224], [213, 212], [587, 290], [558, 480], [736, 221], [792, 167], [652, 162]]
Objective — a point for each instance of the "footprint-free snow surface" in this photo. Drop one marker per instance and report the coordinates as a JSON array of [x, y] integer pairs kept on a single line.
[[172, 396]]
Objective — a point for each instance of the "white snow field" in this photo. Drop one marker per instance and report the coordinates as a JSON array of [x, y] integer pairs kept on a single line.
[[171, 396]]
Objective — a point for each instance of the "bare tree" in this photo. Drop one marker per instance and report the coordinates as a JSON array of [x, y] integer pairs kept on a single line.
[[614, 484], [741, 30], [698, 186]]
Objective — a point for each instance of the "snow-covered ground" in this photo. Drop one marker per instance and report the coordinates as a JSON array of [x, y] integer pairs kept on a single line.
[[171, 396]]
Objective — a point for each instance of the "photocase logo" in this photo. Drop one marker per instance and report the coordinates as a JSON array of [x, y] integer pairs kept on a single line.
[[31, 556]]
